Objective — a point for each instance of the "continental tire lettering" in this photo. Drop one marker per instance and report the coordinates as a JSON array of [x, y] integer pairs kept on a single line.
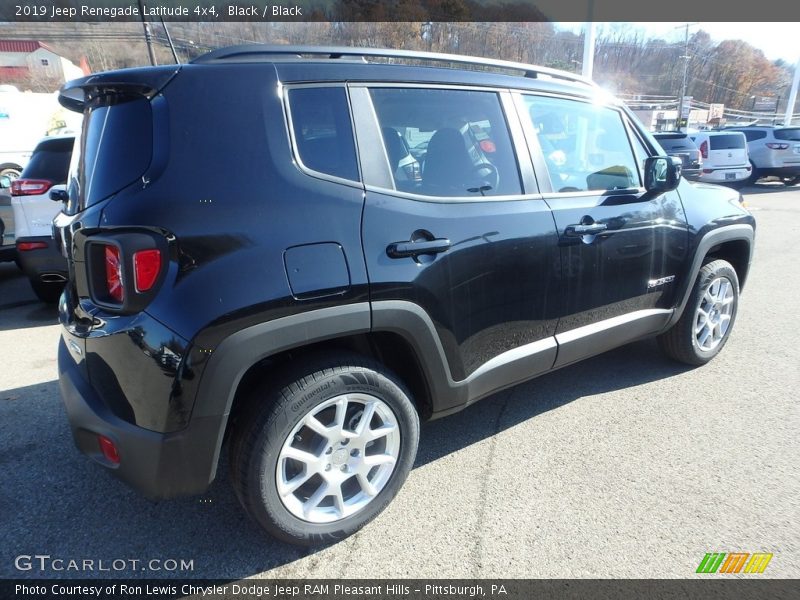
[[310, 395]]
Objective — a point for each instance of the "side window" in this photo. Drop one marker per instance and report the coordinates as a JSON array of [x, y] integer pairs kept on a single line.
[[323, 132], [754, 134], [446, 143], [586, 146]]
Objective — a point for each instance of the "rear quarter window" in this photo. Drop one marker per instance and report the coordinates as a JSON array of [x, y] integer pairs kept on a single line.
[[727, 141], [115, 149], [323, 132], [50, 161], [752, 135]]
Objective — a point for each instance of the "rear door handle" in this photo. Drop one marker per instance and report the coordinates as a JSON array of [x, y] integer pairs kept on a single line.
[[580, 230], [414, 249]]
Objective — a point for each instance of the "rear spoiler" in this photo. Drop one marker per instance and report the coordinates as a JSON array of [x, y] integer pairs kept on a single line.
[[124, 84]]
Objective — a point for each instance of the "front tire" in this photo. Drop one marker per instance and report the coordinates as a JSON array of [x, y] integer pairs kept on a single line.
[[708, 318], [322, 451]]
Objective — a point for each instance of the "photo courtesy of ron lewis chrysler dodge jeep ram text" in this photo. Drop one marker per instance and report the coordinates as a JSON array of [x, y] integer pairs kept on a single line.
[[352, 248]]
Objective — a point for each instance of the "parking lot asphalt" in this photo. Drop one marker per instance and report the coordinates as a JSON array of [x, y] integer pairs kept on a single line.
[[625, 465]]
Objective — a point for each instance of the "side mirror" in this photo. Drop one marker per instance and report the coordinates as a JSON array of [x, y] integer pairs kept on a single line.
[[661, 173], [5, 182], [59, 195]]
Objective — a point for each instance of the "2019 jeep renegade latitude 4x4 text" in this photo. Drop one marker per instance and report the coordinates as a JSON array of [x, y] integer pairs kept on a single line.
[[304, 255]]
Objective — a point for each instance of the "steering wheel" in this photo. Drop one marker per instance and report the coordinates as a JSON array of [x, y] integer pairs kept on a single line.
[[493, 177]]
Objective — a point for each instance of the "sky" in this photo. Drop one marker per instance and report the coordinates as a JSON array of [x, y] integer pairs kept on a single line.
[[776, 40]]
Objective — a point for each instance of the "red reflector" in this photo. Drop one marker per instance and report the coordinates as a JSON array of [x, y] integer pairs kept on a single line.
[[708, 170], [30, 187], [25, 246], [114, 273], [146, 267], [488, 146], [108, 449]]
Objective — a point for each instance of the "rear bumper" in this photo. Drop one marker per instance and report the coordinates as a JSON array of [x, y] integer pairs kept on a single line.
[[43, 264], [725, 174], [782, 171], [157, 465]]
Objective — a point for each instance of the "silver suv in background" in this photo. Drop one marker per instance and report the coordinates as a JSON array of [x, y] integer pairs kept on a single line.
[[774, 151]]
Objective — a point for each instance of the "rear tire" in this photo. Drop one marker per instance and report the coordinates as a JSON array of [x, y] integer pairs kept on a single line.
[[790, 181], [299, 465], [755, 175], [708, 318]]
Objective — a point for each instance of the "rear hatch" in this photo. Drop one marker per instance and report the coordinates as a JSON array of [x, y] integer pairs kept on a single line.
[[115, 151], [680, 146], [788, 140], [46, 171], [727, 150]]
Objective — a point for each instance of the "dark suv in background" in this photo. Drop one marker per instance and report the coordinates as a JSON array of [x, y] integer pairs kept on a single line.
[[390, 243], [681, 146]]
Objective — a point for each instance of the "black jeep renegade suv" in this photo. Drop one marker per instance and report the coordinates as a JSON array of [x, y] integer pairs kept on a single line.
[[302, 254]]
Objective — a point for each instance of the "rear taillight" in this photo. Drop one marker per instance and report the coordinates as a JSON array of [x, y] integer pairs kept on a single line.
[[771, 146], [30, 187], [124, 271], [114, 285], [27, 246], [704, 149], [146, 267]]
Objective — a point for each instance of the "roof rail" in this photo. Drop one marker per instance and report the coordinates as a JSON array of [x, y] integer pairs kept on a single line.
[[267, 52]]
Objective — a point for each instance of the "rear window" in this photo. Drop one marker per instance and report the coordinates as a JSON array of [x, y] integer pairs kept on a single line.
[[114, 150], [727, 141], [323, 132], [50, 161], [791, 134], [670, 144]]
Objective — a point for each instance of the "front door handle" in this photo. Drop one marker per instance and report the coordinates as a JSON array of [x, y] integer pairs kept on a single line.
[[581, 230], [414, 249]]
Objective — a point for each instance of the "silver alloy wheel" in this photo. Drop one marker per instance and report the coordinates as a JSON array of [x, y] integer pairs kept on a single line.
[[338, 458], [713, 316]]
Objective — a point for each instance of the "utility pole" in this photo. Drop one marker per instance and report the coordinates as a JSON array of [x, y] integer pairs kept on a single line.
[[148, 38], [685, 73], [787, 119], [588, 44]]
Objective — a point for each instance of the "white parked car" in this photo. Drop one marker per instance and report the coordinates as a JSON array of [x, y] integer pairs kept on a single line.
[[725, 157], [34, 211]]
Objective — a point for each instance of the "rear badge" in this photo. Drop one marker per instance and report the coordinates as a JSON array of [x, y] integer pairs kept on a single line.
[[657, 282]]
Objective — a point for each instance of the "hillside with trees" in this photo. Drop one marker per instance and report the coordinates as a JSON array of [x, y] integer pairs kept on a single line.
[[731, 72]]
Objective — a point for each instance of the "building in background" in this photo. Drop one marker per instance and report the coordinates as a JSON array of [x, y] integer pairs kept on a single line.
[[32, 65]]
